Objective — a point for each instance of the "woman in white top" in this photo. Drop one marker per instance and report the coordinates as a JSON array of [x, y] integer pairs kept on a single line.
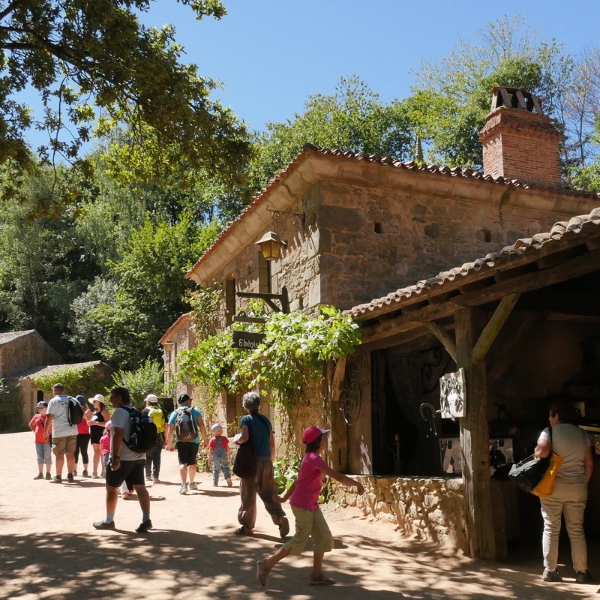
[[570, 492]]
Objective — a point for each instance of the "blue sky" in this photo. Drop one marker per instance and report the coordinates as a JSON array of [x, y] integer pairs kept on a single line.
[[271, 54]]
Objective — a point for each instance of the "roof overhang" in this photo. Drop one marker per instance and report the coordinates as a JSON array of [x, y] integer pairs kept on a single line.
[[180, 323]]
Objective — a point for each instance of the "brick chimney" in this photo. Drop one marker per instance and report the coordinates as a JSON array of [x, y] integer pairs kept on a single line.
[[519, 141]]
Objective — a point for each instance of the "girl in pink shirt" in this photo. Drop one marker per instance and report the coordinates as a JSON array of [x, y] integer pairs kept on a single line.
[[304, 500]]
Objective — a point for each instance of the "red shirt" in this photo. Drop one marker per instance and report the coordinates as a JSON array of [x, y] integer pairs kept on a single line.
[[224, 442], [39, 423], [83, 427]]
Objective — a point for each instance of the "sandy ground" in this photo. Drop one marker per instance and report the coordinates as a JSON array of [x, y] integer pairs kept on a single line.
[[49, 549]]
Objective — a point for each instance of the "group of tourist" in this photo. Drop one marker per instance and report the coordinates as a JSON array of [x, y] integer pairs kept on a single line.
[[126, 469]]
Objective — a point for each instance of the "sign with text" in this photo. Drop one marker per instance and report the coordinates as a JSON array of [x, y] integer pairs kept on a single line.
[[246, 340]]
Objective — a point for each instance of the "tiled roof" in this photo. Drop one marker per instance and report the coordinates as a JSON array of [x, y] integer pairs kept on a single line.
[[309, 149], [9, 336], [560, 232], [44, 370], [177, 325]]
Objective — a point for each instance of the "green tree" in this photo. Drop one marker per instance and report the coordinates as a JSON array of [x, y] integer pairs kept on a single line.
[[451, 97], [88, 56], [147, 379], [148, 288], [353, 118]]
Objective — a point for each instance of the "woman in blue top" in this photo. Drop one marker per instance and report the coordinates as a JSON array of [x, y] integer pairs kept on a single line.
[[257, 430]]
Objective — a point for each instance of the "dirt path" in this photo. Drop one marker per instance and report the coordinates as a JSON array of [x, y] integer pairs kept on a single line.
[[48, 549]]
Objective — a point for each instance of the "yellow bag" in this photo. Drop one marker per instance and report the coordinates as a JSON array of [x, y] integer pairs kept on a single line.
[[546, 486]]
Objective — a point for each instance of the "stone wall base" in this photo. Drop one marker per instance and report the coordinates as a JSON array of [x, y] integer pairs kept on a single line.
[[430, 509]]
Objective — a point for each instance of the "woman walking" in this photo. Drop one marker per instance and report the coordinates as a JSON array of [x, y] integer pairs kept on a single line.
[[310, 522], [97, 423], [83, 438], [257, 430]]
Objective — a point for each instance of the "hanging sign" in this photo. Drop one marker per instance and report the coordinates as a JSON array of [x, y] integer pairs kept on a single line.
[[247, 340], [453, 395]]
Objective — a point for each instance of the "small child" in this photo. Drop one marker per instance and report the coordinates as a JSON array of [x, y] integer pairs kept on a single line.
[[43, 447], [219, 454], [310, 522], [105, 443]]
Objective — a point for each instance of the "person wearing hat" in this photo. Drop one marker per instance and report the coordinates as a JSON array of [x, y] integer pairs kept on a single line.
[[83, 437], [43, 448], [219, 455], [304, 500], [155, 412], [97, 422]]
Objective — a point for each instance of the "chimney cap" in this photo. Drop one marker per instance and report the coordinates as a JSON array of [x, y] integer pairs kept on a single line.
[[517, 98]]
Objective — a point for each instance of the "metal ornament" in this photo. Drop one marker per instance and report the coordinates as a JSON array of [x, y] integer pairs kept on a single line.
[[453, 395]]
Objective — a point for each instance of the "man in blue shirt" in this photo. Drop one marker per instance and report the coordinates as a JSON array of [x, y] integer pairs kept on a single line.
[[186, 421]]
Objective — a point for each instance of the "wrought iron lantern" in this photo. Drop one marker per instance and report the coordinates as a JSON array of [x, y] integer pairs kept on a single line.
[[270, 245]]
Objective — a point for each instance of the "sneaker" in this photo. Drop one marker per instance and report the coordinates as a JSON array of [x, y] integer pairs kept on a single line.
[[148, 477], [70, 478], [39, 476], [125, 495], [155, 480], [85, 474], [103, 474], [284, 527], [216, 483], [583, 577], [95, 475], [74, 472], [193, 486], [553, 576], [183, 489], [145, 526], [48, 476], [56, 479], [105, 525]]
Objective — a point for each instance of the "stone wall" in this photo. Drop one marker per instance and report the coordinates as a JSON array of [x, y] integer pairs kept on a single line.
[[24, 352], [429, 509]]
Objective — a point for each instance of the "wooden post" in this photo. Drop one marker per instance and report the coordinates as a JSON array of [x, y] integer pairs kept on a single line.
[[474, 437]]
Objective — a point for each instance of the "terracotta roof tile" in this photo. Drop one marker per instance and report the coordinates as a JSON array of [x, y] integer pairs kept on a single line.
[[264, 194], [586, 224]]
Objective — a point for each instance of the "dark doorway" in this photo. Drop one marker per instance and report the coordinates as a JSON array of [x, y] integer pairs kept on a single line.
[[40, 396]]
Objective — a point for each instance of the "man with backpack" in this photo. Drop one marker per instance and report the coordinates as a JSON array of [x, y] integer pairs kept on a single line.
[[157, 415], [186, 421], [125, 464], [64, 431]]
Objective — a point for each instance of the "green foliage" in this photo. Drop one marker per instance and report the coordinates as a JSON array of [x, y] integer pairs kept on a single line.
[[148, 379], [292, 354], [97, 55], [353, 118], [11, 405], [286, 472], [451, 97], [76, 379]]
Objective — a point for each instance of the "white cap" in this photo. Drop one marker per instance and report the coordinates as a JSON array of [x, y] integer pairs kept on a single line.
[[216, 427], [152, 398]]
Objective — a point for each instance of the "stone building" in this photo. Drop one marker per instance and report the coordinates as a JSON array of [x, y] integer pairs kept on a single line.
[[177, 338], [20, 350], [358, 226]]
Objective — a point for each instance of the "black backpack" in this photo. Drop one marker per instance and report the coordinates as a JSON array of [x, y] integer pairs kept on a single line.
[[143, 434], [186, 429], [75, 412]]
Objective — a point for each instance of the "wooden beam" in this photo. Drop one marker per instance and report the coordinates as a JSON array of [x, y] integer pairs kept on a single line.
[[474, 439], [556, 316], [444, 337], [338, 378], [493, 327], [245, 319], [582, 265]]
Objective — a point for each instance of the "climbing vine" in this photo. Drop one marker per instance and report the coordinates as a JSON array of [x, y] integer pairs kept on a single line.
[[77, 379], [292, 354]]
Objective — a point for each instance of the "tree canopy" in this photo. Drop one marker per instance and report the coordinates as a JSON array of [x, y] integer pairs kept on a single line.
[[93, 61]]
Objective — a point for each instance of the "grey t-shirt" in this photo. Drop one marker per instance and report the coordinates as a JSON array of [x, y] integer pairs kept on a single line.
[[570, 442], [58, 407], [120, 418]]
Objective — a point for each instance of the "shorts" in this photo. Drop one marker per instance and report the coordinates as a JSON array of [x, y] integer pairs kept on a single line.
[[64, 444], [131, 471], [310, 523], [44, 453], [187, 452]]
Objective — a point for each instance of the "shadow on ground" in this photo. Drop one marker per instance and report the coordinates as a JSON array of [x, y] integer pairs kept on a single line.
[[116, 563]]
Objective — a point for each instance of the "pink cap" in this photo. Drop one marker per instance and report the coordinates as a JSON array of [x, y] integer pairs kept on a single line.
[[312, 433]]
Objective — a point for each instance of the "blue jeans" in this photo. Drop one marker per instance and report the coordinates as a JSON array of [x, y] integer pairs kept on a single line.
[[220, 463], [153, 460]]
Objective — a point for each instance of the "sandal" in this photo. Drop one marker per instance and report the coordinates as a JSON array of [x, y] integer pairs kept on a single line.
[[323, 580], [261, 572], [241, 531]]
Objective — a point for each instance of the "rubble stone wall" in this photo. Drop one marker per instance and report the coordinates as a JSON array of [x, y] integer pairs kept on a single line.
[[430, 509]]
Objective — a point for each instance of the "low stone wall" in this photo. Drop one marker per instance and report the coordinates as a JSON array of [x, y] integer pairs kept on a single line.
[[427, 508]]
